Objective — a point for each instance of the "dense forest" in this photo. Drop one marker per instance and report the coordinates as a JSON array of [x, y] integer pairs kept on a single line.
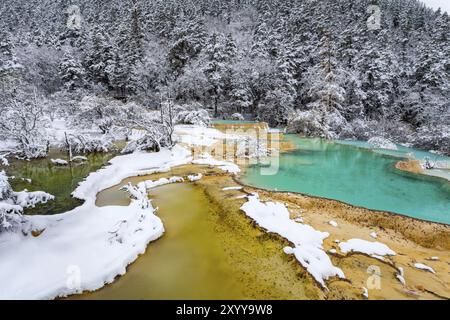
[[349, 69]]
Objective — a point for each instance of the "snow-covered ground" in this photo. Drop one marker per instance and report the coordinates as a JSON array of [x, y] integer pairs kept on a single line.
[[375, 249]]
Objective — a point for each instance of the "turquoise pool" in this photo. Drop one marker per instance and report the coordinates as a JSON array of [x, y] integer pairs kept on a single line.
[[352, 173]]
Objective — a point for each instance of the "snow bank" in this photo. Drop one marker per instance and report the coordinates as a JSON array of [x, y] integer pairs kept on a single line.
[[222, 165], [308, 250], [145, 186], [424, 267], [375, 249], [88, 247], [198, 136]]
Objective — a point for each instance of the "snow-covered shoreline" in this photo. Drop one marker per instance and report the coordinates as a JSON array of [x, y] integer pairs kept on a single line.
[[88, 247]]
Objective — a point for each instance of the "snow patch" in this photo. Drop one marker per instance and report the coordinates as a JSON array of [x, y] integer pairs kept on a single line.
[[308, 242], [367, 247], [222, 165], [232, 188], [333, 223], [59, 162], [401, 276], [424, 267], [193, 178]]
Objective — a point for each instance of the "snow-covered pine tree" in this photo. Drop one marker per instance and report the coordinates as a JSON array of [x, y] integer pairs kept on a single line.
[[72, 72]]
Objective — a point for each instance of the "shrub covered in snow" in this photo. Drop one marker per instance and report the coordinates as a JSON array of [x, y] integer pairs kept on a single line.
[[308, 123], [237, 117], [23, 121], [148, 142], [382, 143], [81, 144], [4, 160], [434, 138], [193, 117], [12, 203], [5, 188]]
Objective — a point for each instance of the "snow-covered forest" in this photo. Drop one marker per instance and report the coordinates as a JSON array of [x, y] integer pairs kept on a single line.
[[337, 69]]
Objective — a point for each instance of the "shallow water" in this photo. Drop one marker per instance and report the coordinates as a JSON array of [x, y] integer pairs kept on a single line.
[[204, 254], [56, 180], [357, 176]]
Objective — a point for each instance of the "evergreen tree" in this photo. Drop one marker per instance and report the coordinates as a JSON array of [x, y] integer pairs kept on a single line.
[[71, 72]]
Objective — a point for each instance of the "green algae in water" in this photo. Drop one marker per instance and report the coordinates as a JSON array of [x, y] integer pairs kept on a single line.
[[356, 176], [205, 253], [59, 181]]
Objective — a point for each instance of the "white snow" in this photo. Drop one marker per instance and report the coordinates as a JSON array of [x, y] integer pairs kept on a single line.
[[374, 235], [208, 160], [27, 199], [365, 293], [401, 276], [3, 160], [308, 250], [193, 178], [198, 136], [367, 247], [434, 258], [232, 188], [59, 162], [424, 267], [147, 185], [333, 251], [79, 159], [333, 223]]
